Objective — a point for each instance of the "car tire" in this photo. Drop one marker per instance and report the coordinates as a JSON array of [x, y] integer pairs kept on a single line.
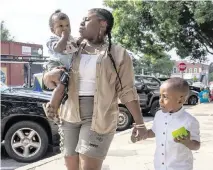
[[154, 107], [193, 100], [124, 119], [26, 141]]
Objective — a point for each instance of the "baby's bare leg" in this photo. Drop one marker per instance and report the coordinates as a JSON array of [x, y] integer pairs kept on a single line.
[[57, 96], [51, 108]]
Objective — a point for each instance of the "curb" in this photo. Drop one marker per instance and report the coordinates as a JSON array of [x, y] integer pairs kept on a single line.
[[58, 156], [40, 163]]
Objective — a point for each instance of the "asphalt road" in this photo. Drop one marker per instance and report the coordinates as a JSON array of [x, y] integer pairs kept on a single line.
[[9, 164]]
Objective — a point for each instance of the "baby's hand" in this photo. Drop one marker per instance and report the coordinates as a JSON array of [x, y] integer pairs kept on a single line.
[[183, 139], [66, 34], [63, 68]]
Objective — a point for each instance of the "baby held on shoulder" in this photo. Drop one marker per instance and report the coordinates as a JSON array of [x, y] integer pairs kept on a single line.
[[61, 47]]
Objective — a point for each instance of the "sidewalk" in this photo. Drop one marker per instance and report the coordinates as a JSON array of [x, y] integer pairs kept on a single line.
[[124, 155]]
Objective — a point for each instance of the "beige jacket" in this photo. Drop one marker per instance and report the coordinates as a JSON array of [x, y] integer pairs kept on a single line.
[[108, 89]]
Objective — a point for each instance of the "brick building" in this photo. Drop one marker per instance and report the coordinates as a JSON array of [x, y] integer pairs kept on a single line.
[[13, 73], [193, 70]]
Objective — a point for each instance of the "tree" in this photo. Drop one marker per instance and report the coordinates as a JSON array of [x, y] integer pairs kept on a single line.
[[195, 79], [5, 33], [151, 27], [151, 65]]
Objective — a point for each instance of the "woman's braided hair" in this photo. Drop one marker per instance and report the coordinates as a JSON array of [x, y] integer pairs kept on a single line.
[[108, 17]]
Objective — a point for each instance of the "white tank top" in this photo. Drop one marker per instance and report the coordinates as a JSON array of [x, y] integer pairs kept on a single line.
[[87, 74]]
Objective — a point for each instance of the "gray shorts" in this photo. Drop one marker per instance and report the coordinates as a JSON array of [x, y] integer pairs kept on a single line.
[[79, 138]]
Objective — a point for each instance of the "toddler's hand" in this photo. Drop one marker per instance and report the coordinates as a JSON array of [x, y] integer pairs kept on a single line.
[[66, 34], [62, 68], [183, 139]]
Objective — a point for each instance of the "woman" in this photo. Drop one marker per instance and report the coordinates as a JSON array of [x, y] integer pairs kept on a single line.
[[100, 73]]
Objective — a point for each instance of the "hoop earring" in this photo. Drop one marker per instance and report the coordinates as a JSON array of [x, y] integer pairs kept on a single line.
[[100, 35]]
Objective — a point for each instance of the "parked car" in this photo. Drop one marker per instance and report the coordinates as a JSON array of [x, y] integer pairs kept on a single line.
[[25, 130], [125, 119], [150, 86], [198, 84], [148, 99], [193, 93], [149, 94]]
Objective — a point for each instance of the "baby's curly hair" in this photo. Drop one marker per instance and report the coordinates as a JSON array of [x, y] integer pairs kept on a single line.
[[59, 14]]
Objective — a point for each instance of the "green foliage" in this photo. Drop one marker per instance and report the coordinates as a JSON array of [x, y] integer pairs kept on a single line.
[[151, 65], [151, 27], [195, 79], [5, 33]]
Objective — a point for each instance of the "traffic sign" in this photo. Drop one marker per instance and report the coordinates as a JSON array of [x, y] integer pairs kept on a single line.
[[182, 66]]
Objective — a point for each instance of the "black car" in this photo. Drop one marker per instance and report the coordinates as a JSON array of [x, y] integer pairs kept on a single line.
[[148, 98], [25, 130], [148, 92], [148, 86]]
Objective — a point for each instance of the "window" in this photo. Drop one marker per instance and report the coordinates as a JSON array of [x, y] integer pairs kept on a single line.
[[174, 70], [190, 70], [195, 70], [151, 82]]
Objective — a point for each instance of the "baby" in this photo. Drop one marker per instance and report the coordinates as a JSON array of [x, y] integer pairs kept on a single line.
[[61, 48], [174, 152]]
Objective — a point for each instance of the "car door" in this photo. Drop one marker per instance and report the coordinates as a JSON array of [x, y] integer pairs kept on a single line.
[[143, 98]]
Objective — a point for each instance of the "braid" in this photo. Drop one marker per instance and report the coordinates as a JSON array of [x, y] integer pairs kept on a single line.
[[111, 58], [108, 17]]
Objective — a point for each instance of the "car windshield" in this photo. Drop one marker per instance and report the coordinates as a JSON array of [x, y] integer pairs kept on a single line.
[[151, 81]]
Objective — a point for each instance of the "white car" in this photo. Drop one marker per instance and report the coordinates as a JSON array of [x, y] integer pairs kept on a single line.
[[198, 84]]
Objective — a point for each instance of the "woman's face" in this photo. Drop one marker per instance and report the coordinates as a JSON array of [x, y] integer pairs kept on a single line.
[[90, 26]]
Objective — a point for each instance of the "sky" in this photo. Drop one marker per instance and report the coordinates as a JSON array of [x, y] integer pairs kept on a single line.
[[27, 20]]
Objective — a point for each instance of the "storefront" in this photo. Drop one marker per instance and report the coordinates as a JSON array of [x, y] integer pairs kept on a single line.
[[14, 57]]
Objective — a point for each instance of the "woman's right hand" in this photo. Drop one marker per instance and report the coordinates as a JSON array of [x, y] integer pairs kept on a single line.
[[52, 78]]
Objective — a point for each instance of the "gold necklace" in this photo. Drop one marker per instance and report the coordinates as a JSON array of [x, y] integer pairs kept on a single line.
[[97, 52], [97, 49]]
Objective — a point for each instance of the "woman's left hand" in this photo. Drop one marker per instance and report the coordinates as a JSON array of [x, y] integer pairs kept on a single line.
[[138, 133]]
